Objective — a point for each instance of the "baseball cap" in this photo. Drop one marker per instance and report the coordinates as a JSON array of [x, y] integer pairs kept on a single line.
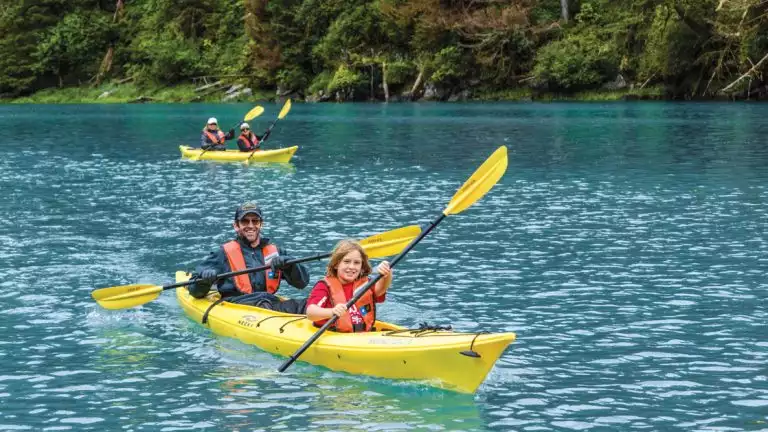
[[248, 208]]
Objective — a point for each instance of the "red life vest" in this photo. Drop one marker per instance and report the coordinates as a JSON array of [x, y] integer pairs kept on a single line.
[[217, 139], [366, 305], [236, 260], [250, 143]]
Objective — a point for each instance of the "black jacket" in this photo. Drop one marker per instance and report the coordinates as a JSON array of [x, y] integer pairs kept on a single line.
[[296, 275], [242, 144]]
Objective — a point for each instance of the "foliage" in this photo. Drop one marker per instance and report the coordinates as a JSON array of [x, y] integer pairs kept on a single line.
[[344, 78], [320, 82], [398, 71], [576, 62], [447, 66], [24, 25], [499, 48], [545, 11], [72, 48], [292, 78], [667, 54]]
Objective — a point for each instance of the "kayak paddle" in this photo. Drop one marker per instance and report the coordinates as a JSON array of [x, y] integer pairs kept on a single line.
[[252, 114], [283, 113], [483, 179], [127, 296]]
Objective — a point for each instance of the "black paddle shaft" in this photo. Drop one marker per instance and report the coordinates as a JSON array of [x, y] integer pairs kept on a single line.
[[250, 270], [263, 140], [268, 131], [289, 361]]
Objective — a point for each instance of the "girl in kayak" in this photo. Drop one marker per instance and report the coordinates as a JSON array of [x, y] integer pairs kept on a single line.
[[348, 270]]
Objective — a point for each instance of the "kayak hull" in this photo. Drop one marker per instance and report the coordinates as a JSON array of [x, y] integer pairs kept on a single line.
[[282, 155], [438, 357]]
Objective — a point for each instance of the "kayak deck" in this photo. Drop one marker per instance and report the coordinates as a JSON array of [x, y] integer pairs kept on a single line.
[[282, 155], [443, 358]]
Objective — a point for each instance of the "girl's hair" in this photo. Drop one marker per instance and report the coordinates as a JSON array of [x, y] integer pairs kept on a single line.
[[340, 251]]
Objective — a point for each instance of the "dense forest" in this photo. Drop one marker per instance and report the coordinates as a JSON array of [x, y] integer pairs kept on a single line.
[[391, 49]]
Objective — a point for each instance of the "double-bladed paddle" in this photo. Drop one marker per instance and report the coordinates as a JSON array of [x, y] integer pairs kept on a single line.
[[280, 116], [250, 115], [483, 179], [126, 296]]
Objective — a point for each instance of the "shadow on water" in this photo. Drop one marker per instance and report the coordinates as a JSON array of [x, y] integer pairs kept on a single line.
[[229, 385], [319, 399], [272, 168], [324, 400]]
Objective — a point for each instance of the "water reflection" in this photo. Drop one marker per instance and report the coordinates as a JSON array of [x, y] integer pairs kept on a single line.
[[328, 401]]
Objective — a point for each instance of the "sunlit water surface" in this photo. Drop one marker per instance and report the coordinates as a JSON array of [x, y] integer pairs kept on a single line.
[[625, 246]]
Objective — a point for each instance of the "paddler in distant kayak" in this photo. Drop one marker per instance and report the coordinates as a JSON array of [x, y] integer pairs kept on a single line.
[[249, 141], [251, 250], [213, 138], [348, 270]]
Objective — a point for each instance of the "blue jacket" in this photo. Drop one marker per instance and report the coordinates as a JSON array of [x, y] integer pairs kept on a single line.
[[296, 275]]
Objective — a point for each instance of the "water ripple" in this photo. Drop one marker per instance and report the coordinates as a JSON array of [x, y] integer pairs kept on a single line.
[[629, 256]]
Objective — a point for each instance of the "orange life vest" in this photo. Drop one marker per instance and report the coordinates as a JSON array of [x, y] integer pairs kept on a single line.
[[251, 143], [366, 305], [237, 262], [216, 139]]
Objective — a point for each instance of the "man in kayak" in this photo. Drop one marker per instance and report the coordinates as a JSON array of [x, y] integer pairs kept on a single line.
[[251, 250], [214, 139], [249, 141]]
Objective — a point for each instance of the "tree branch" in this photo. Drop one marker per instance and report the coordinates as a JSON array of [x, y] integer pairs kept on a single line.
[[749, 72], [701, 29]]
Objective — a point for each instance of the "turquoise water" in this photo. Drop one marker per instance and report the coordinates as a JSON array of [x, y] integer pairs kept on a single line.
[[625, 245]]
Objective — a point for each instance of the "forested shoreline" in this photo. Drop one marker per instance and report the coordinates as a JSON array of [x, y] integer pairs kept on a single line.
[[384, 50]]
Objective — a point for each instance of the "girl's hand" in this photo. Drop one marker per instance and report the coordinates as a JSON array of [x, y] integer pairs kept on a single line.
[[339, 310], [384, 269]]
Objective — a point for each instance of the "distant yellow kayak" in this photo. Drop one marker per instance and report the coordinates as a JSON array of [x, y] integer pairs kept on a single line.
[[282, 155], [443, 358]]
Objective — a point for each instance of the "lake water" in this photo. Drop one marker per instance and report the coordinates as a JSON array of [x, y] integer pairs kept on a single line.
[[625, 246]]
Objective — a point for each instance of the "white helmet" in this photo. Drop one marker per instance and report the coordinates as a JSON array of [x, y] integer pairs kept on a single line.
[[213, 120], [244, 126]]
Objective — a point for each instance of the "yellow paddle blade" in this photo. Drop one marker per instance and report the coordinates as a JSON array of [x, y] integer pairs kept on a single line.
[[390, 242], [480, 183], [252, 114], [126, 296], [284, 111]]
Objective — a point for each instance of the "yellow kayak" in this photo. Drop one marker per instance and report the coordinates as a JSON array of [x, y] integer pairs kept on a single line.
[[443, 358], [282, 155]]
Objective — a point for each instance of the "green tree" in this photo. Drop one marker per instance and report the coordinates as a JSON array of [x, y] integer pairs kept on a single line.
[[576, 62], [71, 49], [24, 25], [360, 38]]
